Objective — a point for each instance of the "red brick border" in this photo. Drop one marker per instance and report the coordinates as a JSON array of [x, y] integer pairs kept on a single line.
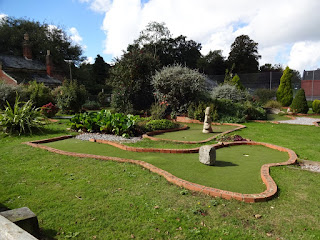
[[150, 135], [214, 192]]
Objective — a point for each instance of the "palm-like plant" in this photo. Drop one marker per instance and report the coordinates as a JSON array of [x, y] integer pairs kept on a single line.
[[21, 118]]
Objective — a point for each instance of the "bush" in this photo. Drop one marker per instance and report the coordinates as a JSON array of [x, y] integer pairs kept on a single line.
[[91, 105], [254, 112], [264, 95], [230, 92], [236, 82], [104, 99], [158, 110], [120, 102], [49, 110], [316, 106], [179, 86], [273, 104], [7, 93], [161, 124], [284, 92], [106, 122], [20, 119], [71, 96], [39, 94], [299, 103]]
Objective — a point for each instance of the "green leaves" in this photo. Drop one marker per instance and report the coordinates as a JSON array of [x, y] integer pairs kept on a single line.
[[21, 119], [106, 122]]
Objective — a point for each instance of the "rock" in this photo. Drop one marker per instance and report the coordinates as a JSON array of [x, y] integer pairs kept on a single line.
[[207, 122], [207, 155]]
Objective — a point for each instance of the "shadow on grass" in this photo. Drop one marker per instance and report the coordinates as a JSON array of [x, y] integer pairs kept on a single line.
[[3, 208], [224, 164]]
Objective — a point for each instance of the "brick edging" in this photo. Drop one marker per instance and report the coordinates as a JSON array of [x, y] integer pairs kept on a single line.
[[214, 192], [150, 135]]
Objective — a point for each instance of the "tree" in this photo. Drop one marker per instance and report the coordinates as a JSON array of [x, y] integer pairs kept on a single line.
[[178, 86], [213, 63], [131, 81], [244, 54], [152, 35], [299, 103], [42, 38], [269, 68], [284, 92], [100, 70]]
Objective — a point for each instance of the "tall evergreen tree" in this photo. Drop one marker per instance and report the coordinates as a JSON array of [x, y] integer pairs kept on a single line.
[[284, 92]]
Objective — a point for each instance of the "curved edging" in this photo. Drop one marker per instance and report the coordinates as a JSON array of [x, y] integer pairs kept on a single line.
[[138, 149], [150, 135], [214, 192]]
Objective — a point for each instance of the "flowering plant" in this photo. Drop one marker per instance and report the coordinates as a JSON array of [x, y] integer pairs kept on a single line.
[[49, 110]]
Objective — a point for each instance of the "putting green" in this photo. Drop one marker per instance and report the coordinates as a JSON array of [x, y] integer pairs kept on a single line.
[[194, 133], [237, 168]]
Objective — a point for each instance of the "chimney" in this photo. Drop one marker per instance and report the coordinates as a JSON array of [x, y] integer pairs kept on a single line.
[[27, 53], [49, 63]]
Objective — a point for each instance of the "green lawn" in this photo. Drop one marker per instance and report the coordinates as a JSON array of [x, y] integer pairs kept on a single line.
[[194, 133], [276, 117], [233, 171], [84, 198]]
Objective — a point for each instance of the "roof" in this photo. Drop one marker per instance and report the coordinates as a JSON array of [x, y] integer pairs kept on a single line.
[[311, 75], [47, 80], [25, 77], [21, 63]]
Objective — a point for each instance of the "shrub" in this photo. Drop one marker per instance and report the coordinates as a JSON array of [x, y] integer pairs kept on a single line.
[[179, 86], [91, 105], [316, 106], [39, 94], [71, 96], [120, 102], [299, 103], [236, 82], [104, 99], [273, 104], [284, 92], [22, 118], [158, 110], [231, 92], [254, 112], [161, 124], [7, 94], [49, 110], [264, 95]]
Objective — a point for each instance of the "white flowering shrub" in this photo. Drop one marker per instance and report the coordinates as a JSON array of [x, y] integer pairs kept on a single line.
[[230, 92]]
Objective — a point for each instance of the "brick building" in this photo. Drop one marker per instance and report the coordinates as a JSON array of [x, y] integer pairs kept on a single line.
[[311, 84], [20, 70]]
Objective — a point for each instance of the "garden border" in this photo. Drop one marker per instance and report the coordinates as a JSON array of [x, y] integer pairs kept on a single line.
[[214, 192], [150, 135]]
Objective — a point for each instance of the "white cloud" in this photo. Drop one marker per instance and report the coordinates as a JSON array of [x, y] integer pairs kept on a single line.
[[305, 56], [89, 60], [280, 27], [75, 36]]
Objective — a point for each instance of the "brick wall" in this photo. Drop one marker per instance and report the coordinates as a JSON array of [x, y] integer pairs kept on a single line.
[[6, 78], [307, 86]]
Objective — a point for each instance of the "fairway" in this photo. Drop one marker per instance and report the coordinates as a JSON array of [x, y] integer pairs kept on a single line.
[[237, 168]]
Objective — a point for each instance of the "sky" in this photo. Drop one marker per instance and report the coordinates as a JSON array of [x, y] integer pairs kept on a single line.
[[287, 31]]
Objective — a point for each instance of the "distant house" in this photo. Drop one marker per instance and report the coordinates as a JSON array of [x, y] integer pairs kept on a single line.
[[21, 70], [311, 84]]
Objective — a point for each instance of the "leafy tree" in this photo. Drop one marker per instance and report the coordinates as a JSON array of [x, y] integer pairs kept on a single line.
[[269, 68], [39, 94], [42, 38], [70, 96], [284, 92], [100, 70], [152, 34], [299, 103], [213, 63], [178, 86], [131, 80], [244, 54]]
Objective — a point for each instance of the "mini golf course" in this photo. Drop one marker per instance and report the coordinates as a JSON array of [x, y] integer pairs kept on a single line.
[[241, 171]]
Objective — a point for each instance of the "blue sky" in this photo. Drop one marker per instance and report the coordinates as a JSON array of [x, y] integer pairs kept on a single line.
[[286, 31]]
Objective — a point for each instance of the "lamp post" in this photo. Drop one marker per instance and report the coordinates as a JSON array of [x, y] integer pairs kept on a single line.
[[69, 61]]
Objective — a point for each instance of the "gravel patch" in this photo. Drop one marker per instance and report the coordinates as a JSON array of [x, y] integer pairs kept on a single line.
[[108, 137], [301, 121], [309, 167]]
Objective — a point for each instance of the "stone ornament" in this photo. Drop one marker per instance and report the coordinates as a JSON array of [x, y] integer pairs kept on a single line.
[[207, 155], [207, 122]]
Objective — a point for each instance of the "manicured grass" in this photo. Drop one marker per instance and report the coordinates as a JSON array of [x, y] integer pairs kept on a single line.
[[107, 200], [304, 140], [276, 117], [233, 171], [194, 133]]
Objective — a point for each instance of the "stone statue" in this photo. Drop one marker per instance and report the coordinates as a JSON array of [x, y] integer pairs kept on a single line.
[[207, 122]]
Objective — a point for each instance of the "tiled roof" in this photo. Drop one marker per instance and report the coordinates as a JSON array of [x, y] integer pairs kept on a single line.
[[21, 63]]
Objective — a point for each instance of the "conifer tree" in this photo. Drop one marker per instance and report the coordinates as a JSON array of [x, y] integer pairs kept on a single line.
[[284, 92], [299, 103]]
